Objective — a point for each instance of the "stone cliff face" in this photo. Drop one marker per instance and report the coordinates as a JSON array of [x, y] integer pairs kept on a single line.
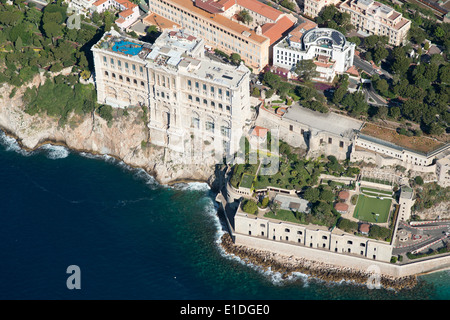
[[126, 138]]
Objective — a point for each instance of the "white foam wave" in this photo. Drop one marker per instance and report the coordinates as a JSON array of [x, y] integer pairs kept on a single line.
[[11, 144], [145, 176], [103, 157], [55, 152], [193, 186]]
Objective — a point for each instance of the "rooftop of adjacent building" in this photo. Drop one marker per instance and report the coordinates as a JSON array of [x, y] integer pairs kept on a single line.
[[329, 122], [406, 193], [293, 203], [220, 6], [376, 8], [220, 20]]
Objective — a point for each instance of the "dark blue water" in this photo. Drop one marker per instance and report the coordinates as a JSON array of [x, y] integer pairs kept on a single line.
[[132, 238]]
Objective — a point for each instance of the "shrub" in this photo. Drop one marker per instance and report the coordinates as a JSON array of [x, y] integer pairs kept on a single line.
[[249, 206]]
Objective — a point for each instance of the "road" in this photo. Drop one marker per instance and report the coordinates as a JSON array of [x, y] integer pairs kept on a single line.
[[426, 234], [375, 98]]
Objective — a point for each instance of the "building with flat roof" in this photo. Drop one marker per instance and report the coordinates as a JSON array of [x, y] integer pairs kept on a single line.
[[406, 201], [128, 11], [327, 48], [376, 18], [312, 8], [80, 6], [292, 203], [186, 93], [218, 24], [443, 171]]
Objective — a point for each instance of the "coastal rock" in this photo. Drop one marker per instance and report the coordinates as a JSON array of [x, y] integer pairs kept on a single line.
[[125, 138], [287, 265]]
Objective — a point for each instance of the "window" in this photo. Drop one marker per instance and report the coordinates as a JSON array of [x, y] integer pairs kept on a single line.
[[341, 144], [119, 63], [189, 82], [106, 73], [209, 126], [195, 122], [330, 140], [349, 242], [291, 127], [287, 230], [225, 131], [112, 61]]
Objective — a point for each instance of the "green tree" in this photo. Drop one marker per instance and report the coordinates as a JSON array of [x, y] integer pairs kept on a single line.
[[306, 69], [250, 206], [245, 16], [311, 194], [52, 29]]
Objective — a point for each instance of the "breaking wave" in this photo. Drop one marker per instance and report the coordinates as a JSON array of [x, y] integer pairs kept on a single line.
[[55, 152]]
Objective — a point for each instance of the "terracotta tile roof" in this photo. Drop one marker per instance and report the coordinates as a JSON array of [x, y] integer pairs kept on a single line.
[[298, 32], [344, 195], [218, 19], [274, 31], [341, 207], [159, 21], [120, 21], [260, 8], [126, 13], [126, 3], [259, 131], [99, 2], [364, 228], [211, 6], [353, 71]]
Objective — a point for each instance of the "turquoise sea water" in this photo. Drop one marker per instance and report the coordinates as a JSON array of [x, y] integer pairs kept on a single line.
[[133, 238]]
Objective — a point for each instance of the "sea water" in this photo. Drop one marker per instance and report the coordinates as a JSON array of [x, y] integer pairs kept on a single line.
[[133, 238]]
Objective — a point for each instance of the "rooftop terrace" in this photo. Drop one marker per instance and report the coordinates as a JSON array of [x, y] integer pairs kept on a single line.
[[398, 141], [329, 122]]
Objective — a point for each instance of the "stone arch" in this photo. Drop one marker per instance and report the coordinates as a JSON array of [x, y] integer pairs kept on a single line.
[[125, 96], [111, 91]]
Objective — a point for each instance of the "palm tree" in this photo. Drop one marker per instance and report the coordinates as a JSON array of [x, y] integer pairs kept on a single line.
[[245, 16]]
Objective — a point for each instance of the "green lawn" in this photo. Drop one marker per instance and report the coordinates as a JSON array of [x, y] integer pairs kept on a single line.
[[367, 208], [246, 181]]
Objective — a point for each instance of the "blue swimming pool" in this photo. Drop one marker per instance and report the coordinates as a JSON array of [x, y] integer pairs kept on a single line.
[[127, 47]]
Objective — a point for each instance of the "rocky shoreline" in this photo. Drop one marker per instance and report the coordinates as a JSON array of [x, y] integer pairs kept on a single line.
[[286, 266]]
